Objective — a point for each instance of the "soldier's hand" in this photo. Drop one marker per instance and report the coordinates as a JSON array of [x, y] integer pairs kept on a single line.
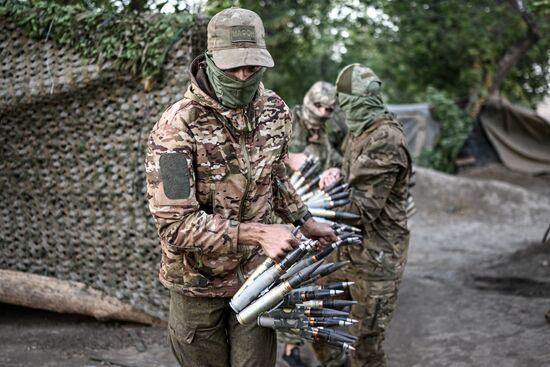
[[275, 239], [318, 231], [329, 176], [295, 160], [278, 240]]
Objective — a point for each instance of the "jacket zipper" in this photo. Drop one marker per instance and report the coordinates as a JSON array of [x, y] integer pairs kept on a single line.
[[248, 174], [240, 269]]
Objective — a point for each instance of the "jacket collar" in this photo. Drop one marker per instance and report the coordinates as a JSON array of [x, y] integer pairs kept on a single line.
[[206, 98]]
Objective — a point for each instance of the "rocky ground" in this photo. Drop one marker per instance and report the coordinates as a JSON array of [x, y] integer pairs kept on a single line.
[[475, 292]]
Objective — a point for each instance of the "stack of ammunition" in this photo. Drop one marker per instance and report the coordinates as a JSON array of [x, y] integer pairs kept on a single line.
[[283, 295], [321, 201], [308, 169]]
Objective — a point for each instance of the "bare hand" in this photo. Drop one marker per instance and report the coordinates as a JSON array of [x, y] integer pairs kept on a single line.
[[275, 239], [329, 176], [295, 160], [318, 231]]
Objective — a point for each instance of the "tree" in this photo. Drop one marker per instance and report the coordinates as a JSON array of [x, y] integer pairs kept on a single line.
[[469, 49]]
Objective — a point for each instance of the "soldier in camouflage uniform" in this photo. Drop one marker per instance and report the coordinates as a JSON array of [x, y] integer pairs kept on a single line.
[[215, 173], [309, 137], [377, 166], [309, 124]]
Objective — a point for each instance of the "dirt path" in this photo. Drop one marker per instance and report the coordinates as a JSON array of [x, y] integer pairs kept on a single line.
[[40, 338], [475, 292], [477, 284]]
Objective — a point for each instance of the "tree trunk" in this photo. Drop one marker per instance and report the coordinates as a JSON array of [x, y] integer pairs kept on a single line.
[[516, 51], [37, 291]]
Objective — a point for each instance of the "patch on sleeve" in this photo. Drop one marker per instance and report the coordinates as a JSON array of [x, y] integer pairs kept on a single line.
[[175, 175]]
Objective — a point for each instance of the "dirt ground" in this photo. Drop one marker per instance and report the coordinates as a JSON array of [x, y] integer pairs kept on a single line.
[[475, 292], [477, 284]]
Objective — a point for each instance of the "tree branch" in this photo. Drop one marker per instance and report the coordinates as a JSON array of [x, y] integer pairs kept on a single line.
[[515, 52], [52, 294]]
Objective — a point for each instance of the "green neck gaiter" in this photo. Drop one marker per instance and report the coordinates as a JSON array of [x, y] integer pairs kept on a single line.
[[232, 92], [360, 111]]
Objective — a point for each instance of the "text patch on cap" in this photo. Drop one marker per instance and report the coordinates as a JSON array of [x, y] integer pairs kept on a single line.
[[175, 175], [243, 33]]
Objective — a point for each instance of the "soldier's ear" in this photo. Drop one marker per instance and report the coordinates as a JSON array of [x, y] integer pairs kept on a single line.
[[174, 171]]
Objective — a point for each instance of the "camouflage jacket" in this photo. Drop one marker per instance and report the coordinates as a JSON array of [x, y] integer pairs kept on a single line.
[[300, 143], [377, 166], [204, 177]]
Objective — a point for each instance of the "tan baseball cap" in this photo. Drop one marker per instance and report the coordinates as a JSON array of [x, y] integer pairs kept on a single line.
[[236, 38]]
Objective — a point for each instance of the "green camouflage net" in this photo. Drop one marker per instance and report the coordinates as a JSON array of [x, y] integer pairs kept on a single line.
[[72, 139]]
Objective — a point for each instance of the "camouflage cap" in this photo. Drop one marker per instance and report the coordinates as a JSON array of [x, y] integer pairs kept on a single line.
[[236, 38], [358, 80]]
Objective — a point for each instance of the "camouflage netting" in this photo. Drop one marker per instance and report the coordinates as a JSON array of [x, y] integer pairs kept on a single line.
[[72, 138]]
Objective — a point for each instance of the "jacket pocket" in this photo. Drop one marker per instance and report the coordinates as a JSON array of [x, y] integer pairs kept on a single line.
[[189, 275], [207, 182], [373, 263], [216, 265]]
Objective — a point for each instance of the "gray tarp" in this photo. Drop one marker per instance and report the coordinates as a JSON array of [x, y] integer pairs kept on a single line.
[[421, 130], [520, 136]]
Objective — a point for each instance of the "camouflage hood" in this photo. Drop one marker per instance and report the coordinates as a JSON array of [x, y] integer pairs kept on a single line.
[[319, 93], [359, 96], [200, 91]]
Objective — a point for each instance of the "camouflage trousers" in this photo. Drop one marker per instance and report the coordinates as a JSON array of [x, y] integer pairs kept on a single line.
[[376, 302], [374, 311], [205, 332]]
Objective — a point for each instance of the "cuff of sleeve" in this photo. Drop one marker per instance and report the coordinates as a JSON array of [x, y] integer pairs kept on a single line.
[[233, 234], [303, 219]]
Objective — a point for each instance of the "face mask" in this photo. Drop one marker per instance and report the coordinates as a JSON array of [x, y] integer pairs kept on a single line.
[[232, 92], [360, 111]]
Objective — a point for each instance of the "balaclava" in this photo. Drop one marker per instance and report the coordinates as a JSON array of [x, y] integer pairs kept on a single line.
[[359, 95]]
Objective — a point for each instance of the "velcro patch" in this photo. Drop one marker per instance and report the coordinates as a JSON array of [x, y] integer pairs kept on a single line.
[[175, 175], [243, 33]]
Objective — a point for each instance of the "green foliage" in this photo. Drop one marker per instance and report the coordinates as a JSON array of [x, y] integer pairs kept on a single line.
[[456, 46], [452, 46], [541, 7], [455, 125], [135, 43]]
